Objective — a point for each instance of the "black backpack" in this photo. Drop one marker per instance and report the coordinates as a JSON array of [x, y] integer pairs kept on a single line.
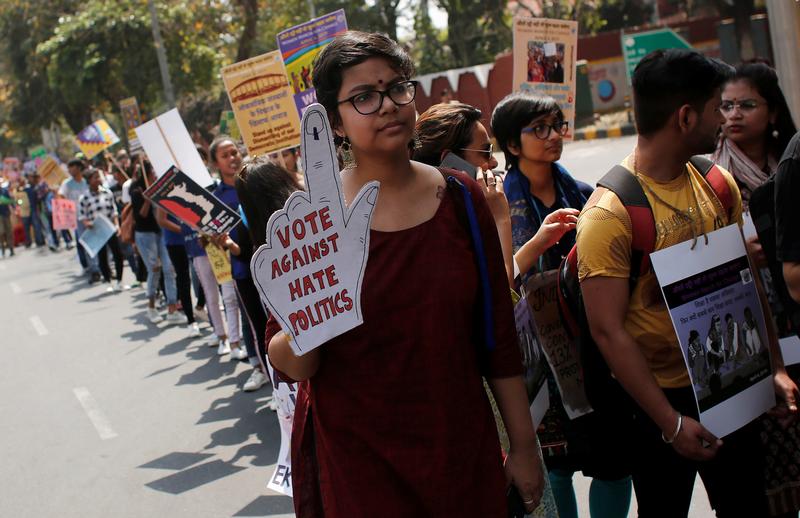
[[602, 389]]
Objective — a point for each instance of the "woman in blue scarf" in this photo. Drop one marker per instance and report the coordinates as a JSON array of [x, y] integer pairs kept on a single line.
[[530, 129]]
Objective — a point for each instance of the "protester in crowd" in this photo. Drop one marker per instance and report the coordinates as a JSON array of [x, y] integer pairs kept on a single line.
[[407, 355], [99, 201], [173, 238], [72, 189], [197, 253], [227, 159], [32, 189], [541, 194], [6, 231], [152, 248], [676, 99], [757, 127], [787, 192]]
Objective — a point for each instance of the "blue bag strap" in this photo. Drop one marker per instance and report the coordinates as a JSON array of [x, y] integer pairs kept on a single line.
[[483, 268]]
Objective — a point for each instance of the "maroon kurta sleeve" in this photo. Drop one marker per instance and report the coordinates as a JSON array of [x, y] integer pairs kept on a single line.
[[505, 360]]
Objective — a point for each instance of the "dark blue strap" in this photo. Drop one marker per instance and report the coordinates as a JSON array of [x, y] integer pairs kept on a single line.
[[483, 268]]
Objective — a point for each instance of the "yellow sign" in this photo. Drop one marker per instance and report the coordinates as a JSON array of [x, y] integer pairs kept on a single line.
[[220, 263], [96, 137], [262, 103], [51, 172]]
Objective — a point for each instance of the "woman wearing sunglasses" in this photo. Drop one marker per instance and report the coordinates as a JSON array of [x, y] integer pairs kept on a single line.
[[530, 129], [393, 420]]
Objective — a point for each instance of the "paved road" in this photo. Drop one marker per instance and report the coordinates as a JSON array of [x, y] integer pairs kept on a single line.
[[106, 415]]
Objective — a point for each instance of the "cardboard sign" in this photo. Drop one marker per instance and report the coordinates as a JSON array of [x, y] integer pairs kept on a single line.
[[95, 238], [167, 143], [285, 395], [262, 103], [52, 173], [178, 194], [300, 45], [533, 362], [717, 316], [131, 118], [96, 137], [545, 61], [220, 263], [11, 167], [310, 269], [65, 214], [559, 349]]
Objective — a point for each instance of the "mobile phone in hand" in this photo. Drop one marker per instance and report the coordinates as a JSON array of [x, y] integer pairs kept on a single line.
[[454, 161], [516, 507]]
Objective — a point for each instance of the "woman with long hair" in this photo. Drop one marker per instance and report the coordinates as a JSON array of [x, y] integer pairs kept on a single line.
[[393, 419]]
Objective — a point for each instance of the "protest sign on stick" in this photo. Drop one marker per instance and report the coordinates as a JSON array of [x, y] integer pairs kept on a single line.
[[262, 103], [51, 172], [181, 196], [717, 316], [98, 235], [65, 214], [96, 137], [167, 143], [228, 126], [561, 351], [310, 269], [535, 374], [545, 61], [131, 118], [300, 45]]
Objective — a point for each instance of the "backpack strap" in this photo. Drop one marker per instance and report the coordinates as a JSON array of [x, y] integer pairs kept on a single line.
[[643, 227], [463, 201], [713, 175]]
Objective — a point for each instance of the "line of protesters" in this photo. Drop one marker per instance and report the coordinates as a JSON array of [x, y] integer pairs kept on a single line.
[[411, 413]]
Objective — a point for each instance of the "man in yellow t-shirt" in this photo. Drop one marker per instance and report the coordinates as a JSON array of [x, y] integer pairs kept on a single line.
[[676, 99]]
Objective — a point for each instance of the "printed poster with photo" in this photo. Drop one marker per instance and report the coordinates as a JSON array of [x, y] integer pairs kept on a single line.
[[300, 45], [533, 362], [262, 103], [178, 194], [717, 316], [545, 61]]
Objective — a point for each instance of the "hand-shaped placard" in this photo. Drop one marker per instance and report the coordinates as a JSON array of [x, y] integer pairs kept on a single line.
[[310, 269]]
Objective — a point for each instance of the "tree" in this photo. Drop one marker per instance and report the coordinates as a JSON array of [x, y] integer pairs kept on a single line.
[[476, 30], [104, 52], [429, 46]]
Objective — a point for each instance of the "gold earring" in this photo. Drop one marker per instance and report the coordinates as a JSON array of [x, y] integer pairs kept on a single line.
[[348, 159]]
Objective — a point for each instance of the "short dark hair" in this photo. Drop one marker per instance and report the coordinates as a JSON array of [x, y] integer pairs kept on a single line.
[[764, 79], [76, 162], [444, 126], [348, 50], [263, 187], [665, 80], [516, 111]]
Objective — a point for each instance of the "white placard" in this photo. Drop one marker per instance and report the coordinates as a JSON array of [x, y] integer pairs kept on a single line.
[[310, 269], [167, 142], [285, 395], [717, 316]]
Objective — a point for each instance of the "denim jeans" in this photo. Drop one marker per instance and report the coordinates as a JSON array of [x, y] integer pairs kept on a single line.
[[154, 254]]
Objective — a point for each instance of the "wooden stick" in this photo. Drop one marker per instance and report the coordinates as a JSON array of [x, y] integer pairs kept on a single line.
[[116, 164]]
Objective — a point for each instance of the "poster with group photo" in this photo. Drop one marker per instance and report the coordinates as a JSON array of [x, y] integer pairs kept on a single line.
[[717, 316], [262, 103], [300, 45], [545, 61]]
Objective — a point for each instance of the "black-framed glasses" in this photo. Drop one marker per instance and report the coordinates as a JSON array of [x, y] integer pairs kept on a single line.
[[370, 101], [488, 152], [542, 130], [744, 106]]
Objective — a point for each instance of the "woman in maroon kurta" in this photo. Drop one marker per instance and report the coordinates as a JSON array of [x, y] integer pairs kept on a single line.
[[394, 420]]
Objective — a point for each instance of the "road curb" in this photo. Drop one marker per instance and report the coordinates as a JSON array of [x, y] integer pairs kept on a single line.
[[614, 131]]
